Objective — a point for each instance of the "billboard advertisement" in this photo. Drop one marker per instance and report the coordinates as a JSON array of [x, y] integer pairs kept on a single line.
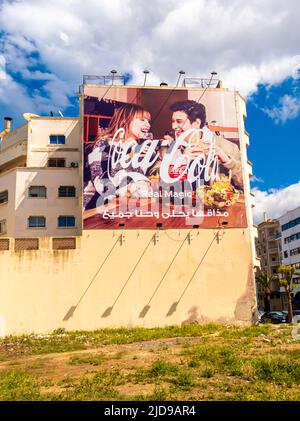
[[161, 157]]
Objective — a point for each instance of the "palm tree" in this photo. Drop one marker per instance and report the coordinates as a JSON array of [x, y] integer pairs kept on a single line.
[[265, 280], [286, 281]]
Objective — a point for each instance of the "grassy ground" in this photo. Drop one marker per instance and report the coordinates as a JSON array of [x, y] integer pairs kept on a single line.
[[193, 362]]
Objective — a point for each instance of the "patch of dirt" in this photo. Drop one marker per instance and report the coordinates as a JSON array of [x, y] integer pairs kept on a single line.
[[130, 389], [57, 367]]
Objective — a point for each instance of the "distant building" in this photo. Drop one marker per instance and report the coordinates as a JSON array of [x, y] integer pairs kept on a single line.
[[290, 243], [267, 247], [290, 237], [268, 251]]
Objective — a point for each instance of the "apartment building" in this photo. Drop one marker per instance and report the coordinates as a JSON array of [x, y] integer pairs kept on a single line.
[[290, 243], [290, 237], [115, 277], [40, 188], [267, 245], [268, 251]]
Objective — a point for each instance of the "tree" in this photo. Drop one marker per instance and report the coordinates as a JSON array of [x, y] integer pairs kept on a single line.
[[286, 281], [265, 280]]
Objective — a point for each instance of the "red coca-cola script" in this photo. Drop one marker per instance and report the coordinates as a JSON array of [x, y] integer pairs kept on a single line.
[[175, 173]]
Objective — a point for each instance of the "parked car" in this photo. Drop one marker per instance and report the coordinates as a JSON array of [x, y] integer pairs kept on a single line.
[[273, 317]]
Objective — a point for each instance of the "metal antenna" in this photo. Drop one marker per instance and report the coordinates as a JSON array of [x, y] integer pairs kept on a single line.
[[181, 72], [113, 72], [146, 72], [212, 74], [211, 78]]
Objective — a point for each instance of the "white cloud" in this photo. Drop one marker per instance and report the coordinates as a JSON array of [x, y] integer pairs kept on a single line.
[[2, 67], [14, 98], [256, 179], [288, 109], [272, 71], [275, 202], [246, 42]]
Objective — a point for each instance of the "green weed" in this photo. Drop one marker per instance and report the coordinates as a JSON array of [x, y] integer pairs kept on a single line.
[[18, 385], [277, 370]]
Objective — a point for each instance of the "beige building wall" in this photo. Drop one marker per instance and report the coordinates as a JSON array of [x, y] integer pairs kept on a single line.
[[39, 149], [75, 289], [50, 207], [7, 210], [24, 155]]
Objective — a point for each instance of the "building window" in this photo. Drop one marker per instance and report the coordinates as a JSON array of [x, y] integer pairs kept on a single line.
[[4, 196], [57, 139], [56, 162], [66, 221], [36, 222], [66, 191], [37, 191], [295, 251], [291, 238], [3, 226], [285, 254], [290, 224]]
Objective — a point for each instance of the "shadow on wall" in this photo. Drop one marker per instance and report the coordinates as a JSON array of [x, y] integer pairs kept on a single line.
[[173, 308], [193, 316]]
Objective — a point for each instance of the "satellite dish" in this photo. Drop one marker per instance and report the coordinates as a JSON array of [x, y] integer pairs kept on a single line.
[[30, 116]]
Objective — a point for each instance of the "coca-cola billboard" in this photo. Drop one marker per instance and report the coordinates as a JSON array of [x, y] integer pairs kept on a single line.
[[161, 157]]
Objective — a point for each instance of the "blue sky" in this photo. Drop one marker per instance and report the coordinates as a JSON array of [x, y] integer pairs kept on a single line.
[[274, 142], [253, 45]]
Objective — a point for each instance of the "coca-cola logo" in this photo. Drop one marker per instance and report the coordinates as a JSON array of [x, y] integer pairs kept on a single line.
[[131, 154], [174, 173]]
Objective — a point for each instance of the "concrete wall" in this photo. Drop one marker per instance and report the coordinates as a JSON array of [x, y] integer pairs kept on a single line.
[[104, 287]]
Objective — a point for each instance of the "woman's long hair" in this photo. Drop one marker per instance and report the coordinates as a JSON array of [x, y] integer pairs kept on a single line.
[[122, 118]]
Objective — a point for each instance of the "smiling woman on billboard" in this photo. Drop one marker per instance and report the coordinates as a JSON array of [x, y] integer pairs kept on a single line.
[[129, 125]]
